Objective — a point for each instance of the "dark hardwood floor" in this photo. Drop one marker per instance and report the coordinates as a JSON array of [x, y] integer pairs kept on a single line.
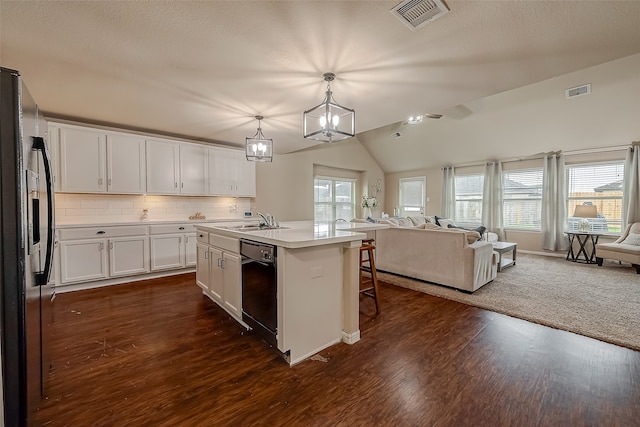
[[160, 353]]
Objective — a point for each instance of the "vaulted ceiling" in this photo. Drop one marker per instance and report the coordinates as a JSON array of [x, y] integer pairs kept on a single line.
[[204, 69]]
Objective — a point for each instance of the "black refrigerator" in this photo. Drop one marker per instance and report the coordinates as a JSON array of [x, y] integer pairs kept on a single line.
[[27, 230]]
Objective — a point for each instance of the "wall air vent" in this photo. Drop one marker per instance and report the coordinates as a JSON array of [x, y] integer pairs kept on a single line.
[[418, 13], [578, 91]]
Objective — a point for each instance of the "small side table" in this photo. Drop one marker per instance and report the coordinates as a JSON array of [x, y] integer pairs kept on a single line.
[[588, 256], [502, 248]]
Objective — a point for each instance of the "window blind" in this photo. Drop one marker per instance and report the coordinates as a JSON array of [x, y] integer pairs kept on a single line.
[[522, 198]]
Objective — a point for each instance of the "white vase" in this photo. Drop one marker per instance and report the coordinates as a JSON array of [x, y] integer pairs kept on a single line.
[[367, 212]]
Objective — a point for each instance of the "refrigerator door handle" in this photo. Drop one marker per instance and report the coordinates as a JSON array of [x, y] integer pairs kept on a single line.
[[41, 278]]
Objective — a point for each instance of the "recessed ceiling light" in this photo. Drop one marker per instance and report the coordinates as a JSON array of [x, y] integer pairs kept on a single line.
[[414, 120]]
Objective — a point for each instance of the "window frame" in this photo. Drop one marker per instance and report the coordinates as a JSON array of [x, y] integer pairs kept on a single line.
[[455, 218], [334, 203], [419, 210], [615, 223], [505, 200]]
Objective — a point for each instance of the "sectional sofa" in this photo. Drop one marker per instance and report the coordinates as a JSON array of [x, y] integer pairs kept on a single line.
[[414, 247]]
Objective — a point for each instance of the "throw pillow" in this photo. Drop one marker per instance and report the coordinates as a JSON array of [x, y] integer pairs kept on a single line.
[[480, 229], [632, 239], [444, 222], [430, 219]]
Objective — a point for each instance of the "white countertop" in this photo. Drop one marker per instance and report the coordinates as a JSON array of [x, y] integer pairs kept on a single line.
[[300, 234]]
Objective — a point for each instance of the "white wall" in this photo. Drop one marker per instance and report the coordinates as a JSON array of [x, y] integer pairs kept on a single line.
[[285, 186]]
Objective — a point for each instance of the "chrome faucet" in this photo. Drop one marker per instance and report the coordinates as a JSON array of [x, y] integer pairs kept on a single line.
[[269, 220]]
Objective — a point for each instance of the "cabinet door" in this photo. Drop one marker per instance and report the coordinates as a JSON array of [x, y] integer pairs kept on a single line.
[[128, 255], [82, 160], [126, 166], [231, 268], [83, 260], [221, 172], [203, 268], [190, 249], [53, 139], [194, 169], [162, 167], [167, 252], [245, 176], [216, 277]]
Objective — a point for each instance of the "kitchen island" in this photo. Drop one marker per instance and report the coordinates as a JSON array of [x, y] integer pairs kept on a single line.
[[317, 279]]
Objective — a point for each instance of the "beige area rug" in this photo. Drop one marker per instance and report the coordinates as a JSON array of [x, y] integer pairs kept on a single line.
[[598, 302]]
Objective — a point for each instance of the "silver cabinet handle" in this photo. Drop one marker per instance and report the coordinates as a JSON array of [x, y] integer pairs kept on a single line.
[[109, 181], [99, 181], [206, 254], [111, 245], [101, 246]]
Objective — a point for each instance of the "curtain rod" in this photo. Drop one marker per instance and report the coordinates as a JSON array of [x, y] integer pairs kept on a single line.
[[541, 155]]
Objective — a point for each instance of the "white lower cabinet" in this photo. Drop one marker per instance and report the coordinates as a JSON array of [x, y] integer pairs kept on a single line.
[[219, 272], [90, 254], [128, 255], [97, 253], [175, 250], [83, 260], [202, 268]]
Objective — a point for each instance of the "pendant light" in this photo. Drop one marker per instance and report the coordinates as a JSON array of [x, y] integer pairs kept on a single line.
[[329, 121], [259, 148]]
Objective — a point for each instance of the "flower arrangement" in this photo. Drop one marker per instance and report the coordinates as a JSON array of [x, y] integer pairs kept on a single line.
[[369, 202]]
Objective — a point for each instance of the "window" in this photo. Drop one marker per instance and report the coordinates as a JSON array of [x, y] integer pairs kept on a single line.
[[469, 199], [522, 199], [412, 194], [598, 184], [334, 198]]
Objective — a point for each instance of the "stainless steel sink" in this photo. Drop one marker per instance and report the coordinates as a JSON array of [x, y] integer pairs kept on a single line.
[[253, 227]]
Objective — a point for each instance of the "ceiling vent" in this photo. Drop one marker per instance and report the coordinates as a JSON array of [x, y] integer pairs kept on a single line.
[[396, 135], [578, 91], [418, 13]]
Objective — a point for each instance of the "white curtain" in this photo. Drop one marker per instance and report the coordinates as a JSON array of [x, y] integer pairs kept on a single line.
[[554, 203], [631, 186], [448, 192], [492, 199]]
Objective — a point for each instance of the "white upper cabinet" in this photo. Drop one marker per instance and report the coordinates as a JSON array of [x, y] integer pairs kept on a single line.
[[126, 168], [82, 160], [163, 167], [177, 168], [98, 161], [194, 169], [245, 175], [221, 172], [230, 174]]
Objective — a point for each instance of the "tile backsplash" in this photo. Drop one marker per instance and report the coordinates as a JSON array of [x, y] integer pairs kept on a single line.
[[107, 208]]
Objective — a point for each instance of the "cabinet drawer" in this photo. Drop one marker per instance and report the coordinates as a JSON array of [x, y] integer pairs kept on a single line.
[[88, 233], [172, 228], [230, 244], [202, 237]]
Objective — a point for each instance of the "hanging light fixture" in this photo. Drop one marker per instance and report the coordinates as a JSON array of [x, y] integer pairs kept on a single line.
[[259, 148], [329, 121]]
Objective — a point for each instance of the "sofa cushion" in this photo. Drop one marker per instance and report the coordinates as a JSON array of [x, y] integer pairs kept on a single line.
[[405, 222], [417, 220], [632, 239]]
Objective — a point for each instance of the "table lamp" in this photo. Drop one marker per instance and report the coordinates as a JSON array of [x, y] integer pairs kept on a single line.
[[584, 212]]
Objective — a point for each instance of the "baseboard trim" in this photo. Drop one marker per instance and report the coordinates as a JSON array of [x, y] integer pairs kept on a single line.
[[351, 338], [551, 254], [61, 289]]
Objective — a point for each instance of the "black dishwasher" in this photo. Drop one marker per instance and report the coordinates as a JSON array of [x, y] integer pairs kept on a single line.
[[259, 289]]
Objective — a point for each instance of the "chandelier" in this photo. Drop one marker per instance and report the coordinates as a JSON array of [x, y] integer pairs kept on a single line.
[[329, 121], [259, 148]]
